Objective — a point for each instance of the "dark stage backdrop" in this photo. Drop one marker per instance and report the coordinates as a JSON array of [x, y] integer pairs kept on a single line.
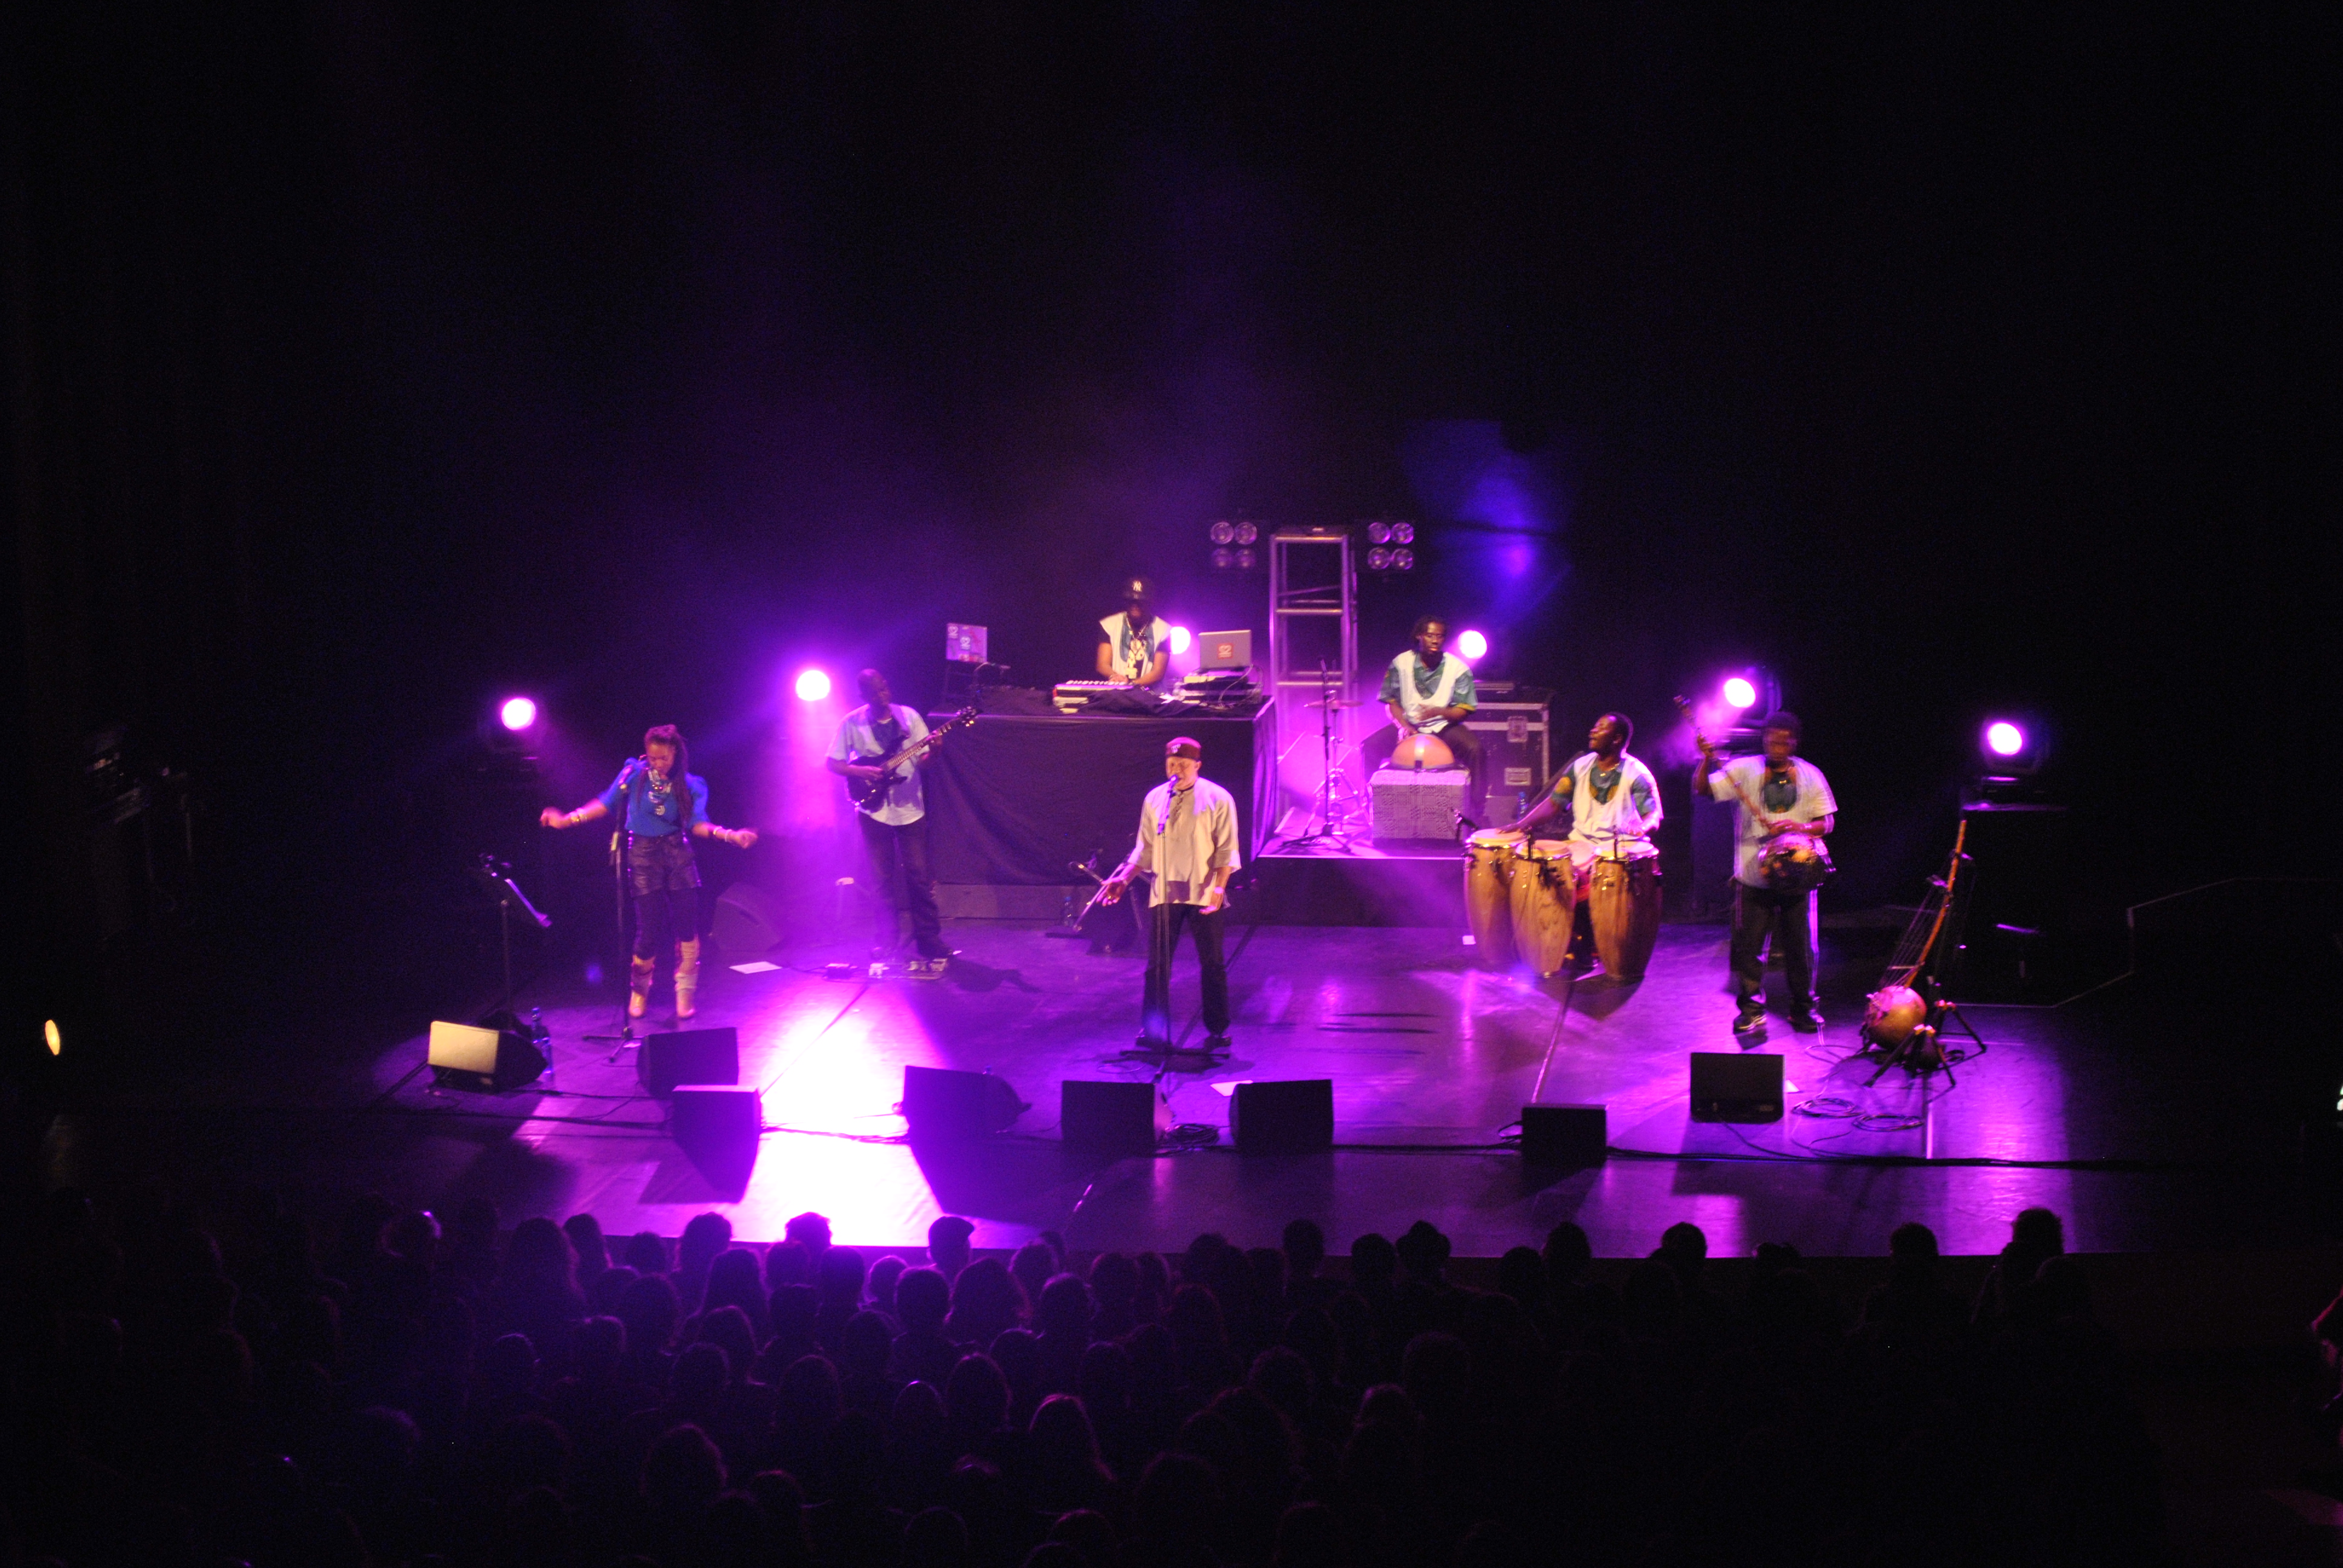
[[369, 363]]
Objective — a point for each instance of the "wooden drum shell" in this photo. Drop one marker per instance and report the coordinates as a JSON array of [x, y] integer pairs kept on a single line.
[[1545, 906], [1622, 901], [1488, 876]]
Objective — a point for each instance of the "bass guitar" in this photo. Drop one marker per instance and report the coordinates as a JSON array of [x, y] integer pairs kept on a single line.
[[866, 791]]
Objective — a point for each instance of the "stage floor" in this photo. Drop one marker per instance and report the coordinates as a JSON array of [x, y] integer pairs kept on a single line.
[[2146, 1130]]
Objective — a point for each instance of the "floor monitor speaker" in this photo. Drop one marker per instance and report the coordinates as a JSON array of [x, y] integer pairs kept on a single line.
[[1727, 1086], [1564, 1137], [467, 1056], [748, 922], [940, 1105], [1116, 1119], [1293, 1117], [689, 1056], [717, 1130]]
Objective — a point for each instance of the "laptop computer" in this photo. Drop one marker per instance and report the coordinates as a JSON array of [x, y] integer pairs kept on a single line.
[[1224, 651]]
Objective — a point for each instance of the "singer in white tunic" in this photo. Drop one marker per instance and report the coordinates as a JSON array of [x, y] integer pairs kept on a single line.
[[1188, 845]]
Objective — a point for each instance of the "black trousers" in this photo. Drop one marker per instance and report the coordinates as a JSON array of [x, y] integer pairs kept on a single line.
[[1375, 752], [1790, 917], [1163, 941], [898, 864]]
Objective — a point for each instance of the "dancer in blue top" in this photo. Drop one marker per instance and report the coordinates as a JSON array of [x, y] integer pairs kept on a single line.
[[666, 808]]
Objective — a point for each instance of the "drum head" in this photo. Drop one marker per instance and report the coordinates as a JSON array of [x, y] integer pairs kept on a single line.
[[1424, 751]]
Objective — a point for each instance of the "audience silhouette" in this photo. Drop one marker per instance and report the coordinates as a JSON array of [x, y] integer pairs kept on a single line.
[[549, 1397]]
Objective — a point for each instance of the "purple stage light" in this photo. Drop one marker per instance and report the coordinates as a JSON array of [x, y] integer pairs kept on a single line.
[[1471, 646], [517, 713], [1180, 639], [812, 685], [1379, 559], [2004, 738], [1739, 693]]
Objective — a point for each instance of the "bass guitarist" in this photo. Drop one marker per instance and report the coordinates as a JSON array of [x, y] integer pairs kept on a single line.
[[894, 820]]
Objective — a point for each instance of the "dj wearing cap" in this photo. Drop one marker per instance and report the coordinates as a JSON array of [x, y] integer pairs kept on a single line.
[[1134, 645], [1188, 844]]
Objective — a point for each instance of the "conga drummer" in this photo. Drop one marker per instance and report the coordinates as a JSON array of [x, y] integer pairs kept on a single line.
[[1613, 803]]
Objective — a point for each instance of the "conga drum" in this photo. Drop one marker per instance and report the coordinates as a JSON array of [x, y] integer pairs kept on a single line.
[[1421, 751], [1545, 902], [1488, 871], [1622, 900]]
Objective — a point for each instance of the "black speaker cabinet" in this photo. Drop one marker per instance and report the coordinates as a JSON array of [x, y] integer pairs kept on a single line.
[[717, 1130], [941, 1105], [1564, 1137], [689, 1056], [1293, 1117], [467, 1056], [748, 922], [1112, 1118], [1727, 1086]]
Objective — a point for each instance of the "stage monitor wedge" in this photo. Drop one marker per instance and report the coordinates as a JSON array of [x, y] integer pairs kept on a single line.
[[467, 1056], [749, 922], [1727, 1086], [1292, 1117], [1564, 1137], [689, 1056], [1115, 1119], [941, 1105]]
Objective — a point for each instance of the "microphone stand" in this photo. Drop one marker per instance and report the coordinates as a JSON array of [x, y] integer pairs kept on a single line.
[[620, 844]]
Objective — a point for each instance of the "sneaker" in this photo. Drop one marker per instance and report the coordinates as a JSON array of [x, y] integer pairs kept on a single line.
[[1807, 1021], [1747, 1025], [1218, 1044]]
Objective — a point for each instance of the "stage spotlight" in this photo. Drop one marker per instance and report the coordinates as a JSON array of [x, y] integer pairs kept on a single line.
[[1244, 558], [1402, 560], [55, 1037], [1224, 532], [2004, 738], [1379, 559], [1225, 558], [1739, 694], [1378, 533], [1402, 533], [812, 685], [1247, 534], [517, 713], [1180, 639], [1471, 646]]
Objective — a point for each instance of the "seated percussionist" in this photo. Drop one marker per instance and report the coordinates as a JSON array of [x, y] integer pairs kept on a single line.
[[1611, 798], [1134, 645], [1428, 691]]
